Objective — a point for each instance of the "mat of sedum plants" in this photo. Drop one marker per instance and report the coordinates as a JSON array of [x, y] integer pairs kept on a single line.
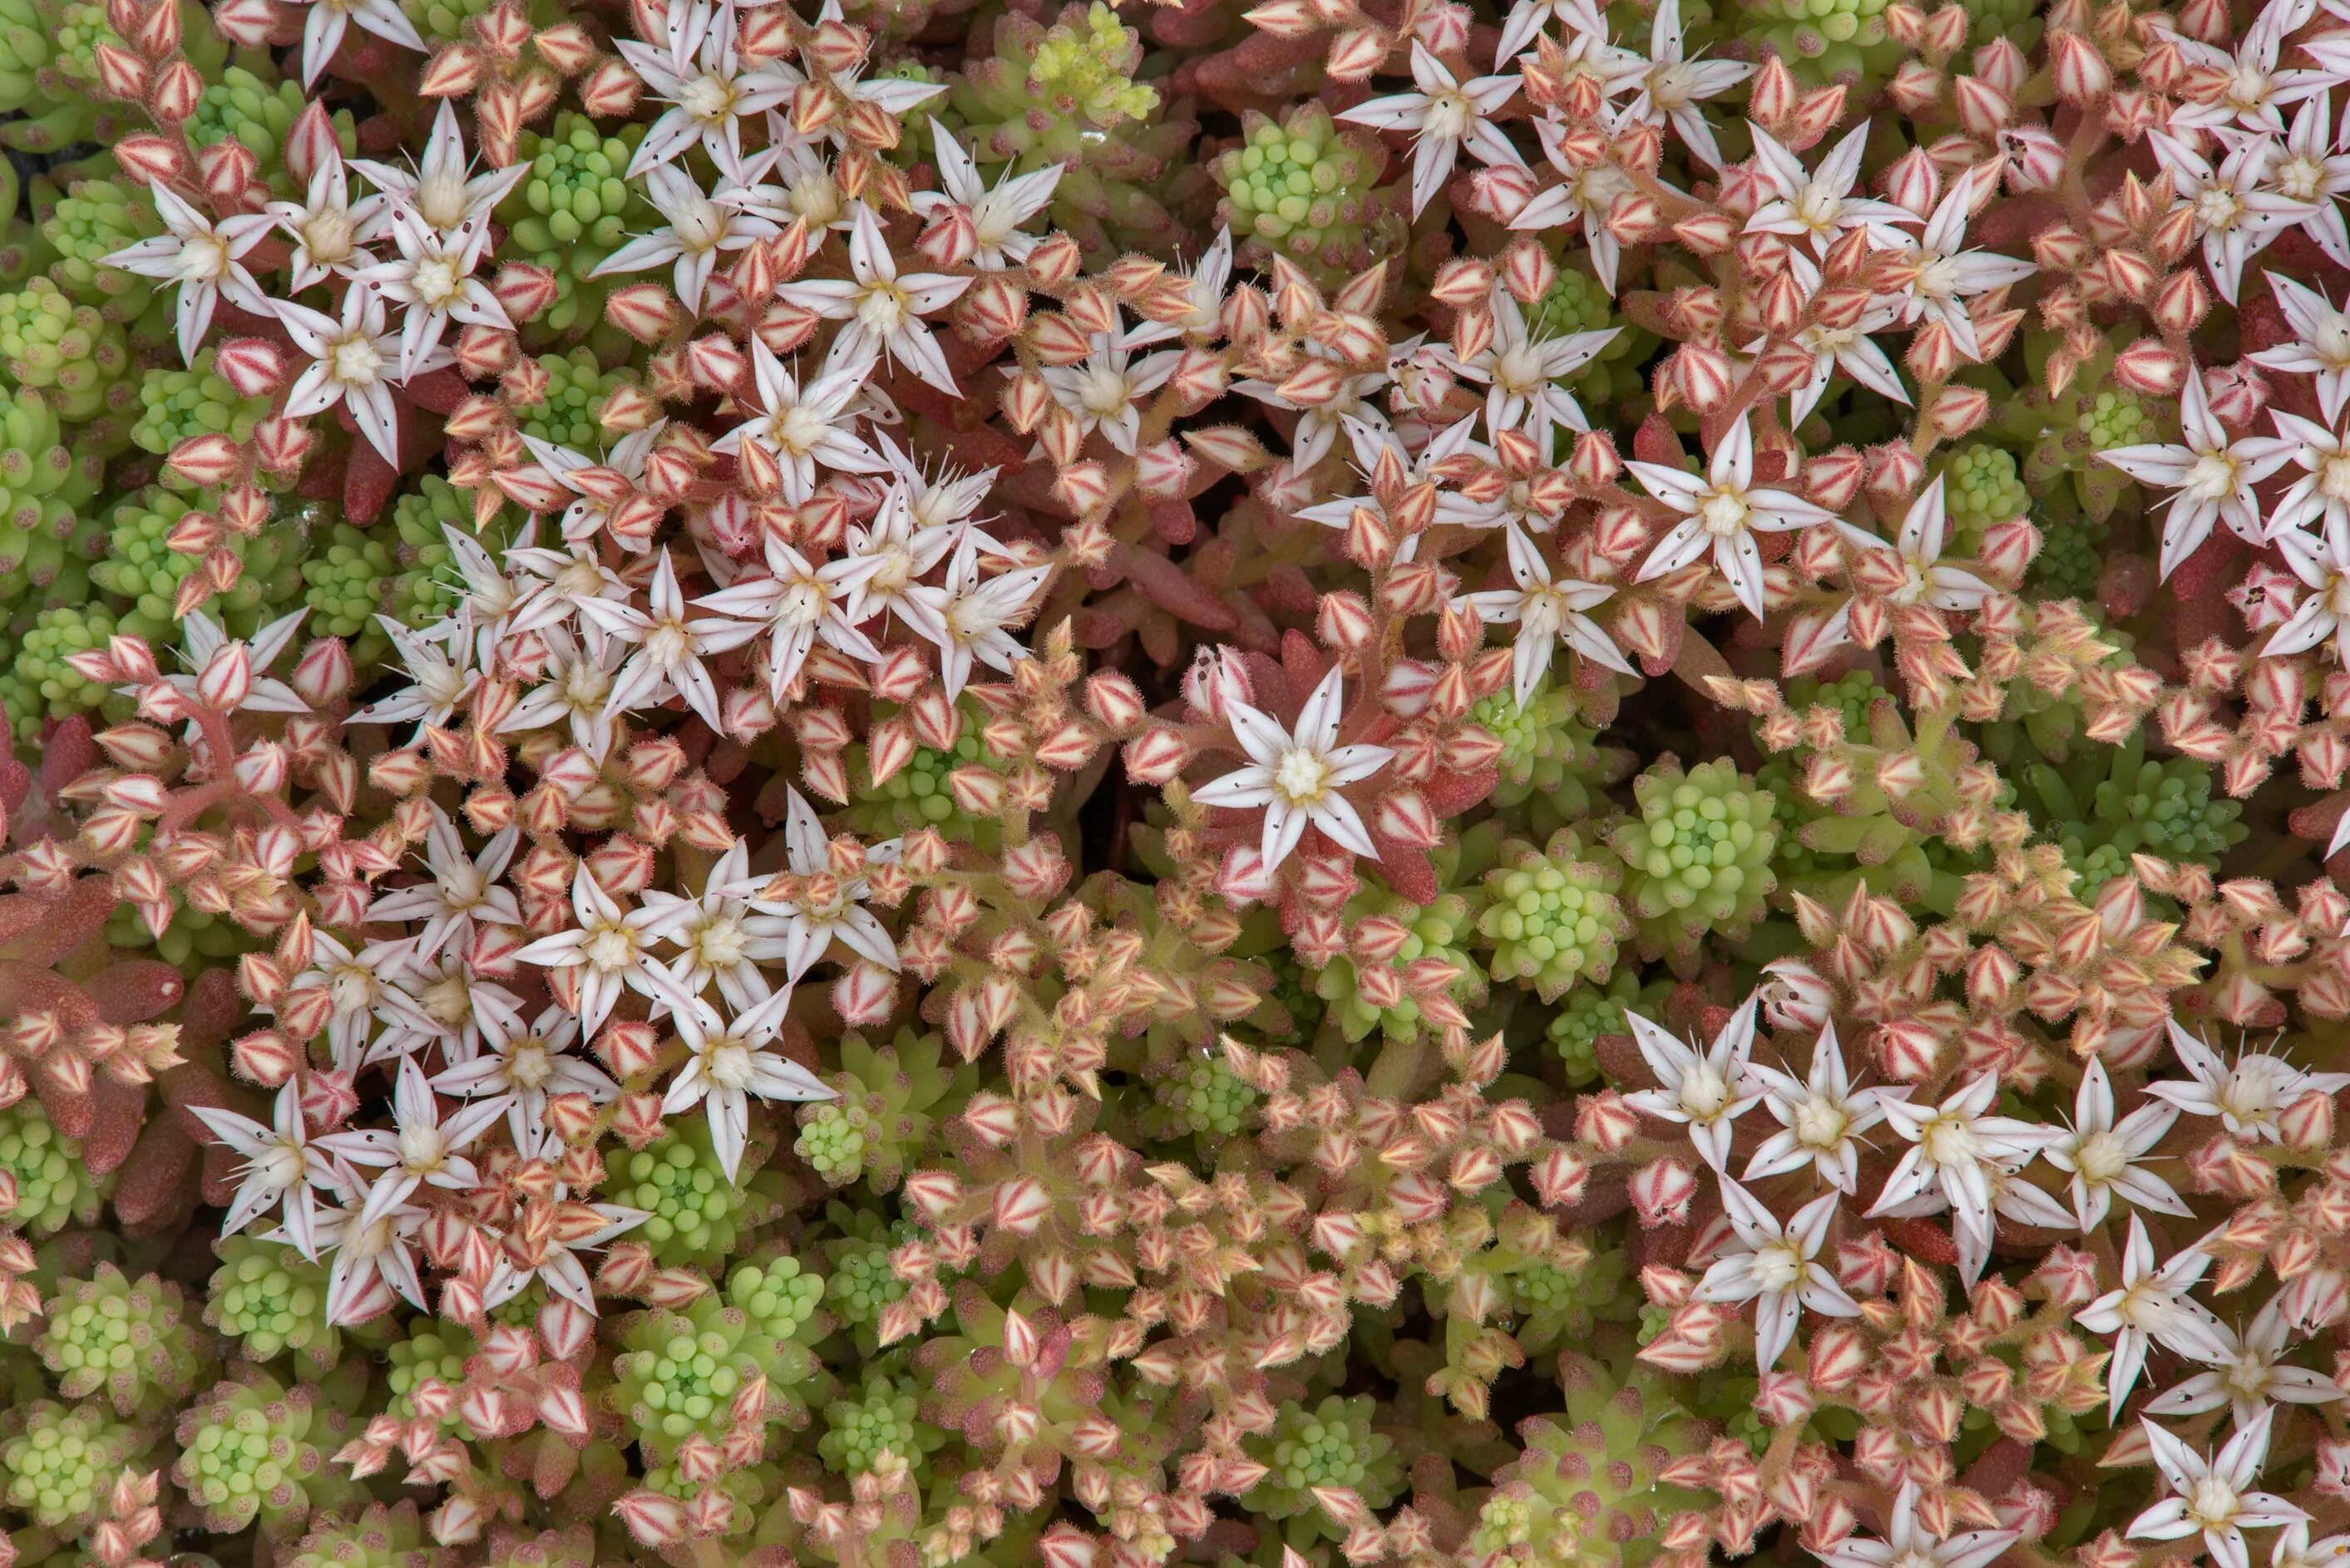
[[1284, 786]]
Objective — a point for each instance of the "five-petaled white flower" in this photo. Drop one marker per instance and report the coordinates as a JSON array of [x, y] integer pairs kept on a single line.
[[997, 212], [728, 1063], [1522, 374], [286, 1169], [1722, 511], [670, 647], [2249, 1096], [1445, 114], [1907, 1543], [1818, 206], [1924, 528], [607, 946], [1954, 1150], [2322, 562], [2210, 474], [1672, 86], [699, 73], [882, 310], [206, 258], [524, 1068], [2249, 1374], [442, 191], [2103, 1159], [1776, 1265], [1820, 1118], [353, 361], [720, 942], [422, 1146], [2235, 213], [804, 423], [793, 604], [967, 618], [432, 280], [1707, 1090], [1296, 774], [701, 228], [2214, 1496], [1939, 274], [2319, 347], [827, 906], [1546, 611], [2151, 1306]]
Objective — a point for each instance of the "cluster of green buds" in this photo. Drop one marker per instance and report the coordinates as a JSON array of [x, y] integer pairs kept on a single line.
[[680, 1181], [1069, 94], [1207, 1096], [880, 1418], [1441, 929], [257, 111], [91, 221], [1306, 187], [53, 1185], [1551, 765], [575, 390], [1551, 917], [256, 1451], [272, 1300], [887, 1101], [1588, 1013], [177, 405], [1585, 1492], [573, 211], [71, 352], [1698, 857], [1332, 1446], [126, 1337], [384, 1536], [61, 1463], [686, 1374]]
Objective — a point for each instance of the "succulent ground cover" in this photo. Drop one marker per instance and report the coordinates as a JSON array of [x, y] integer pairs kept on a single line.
[[943, 781]]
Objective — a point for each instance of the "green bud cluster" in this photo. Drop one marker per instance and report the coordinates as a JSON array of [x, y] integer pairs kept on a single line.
[[61, 1463], [1584, 1492], [124, 1336], [862, 1284], [176, 404], [1207, 1096], [1573, 1031], [879, 1419], [1577, 301], [1698, 857], [681, 1373], [1071, 95], [53, 1185], [71, 353], [917, 795], [1552, 918], [575, 390], [572, 213], [679, 1182], [271, 1300], [56, 635], [143, 569], [43, 480], [1980, 486], [1304, 188], [433, 1349], [2113, 418], [259, 113], [91, 222], [1441, 931], [1550, 764], [348, 580], [253, 1451], [382, 1537], [832, 1140], [2072, 554], [2140, 807], [1332, 1445]]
